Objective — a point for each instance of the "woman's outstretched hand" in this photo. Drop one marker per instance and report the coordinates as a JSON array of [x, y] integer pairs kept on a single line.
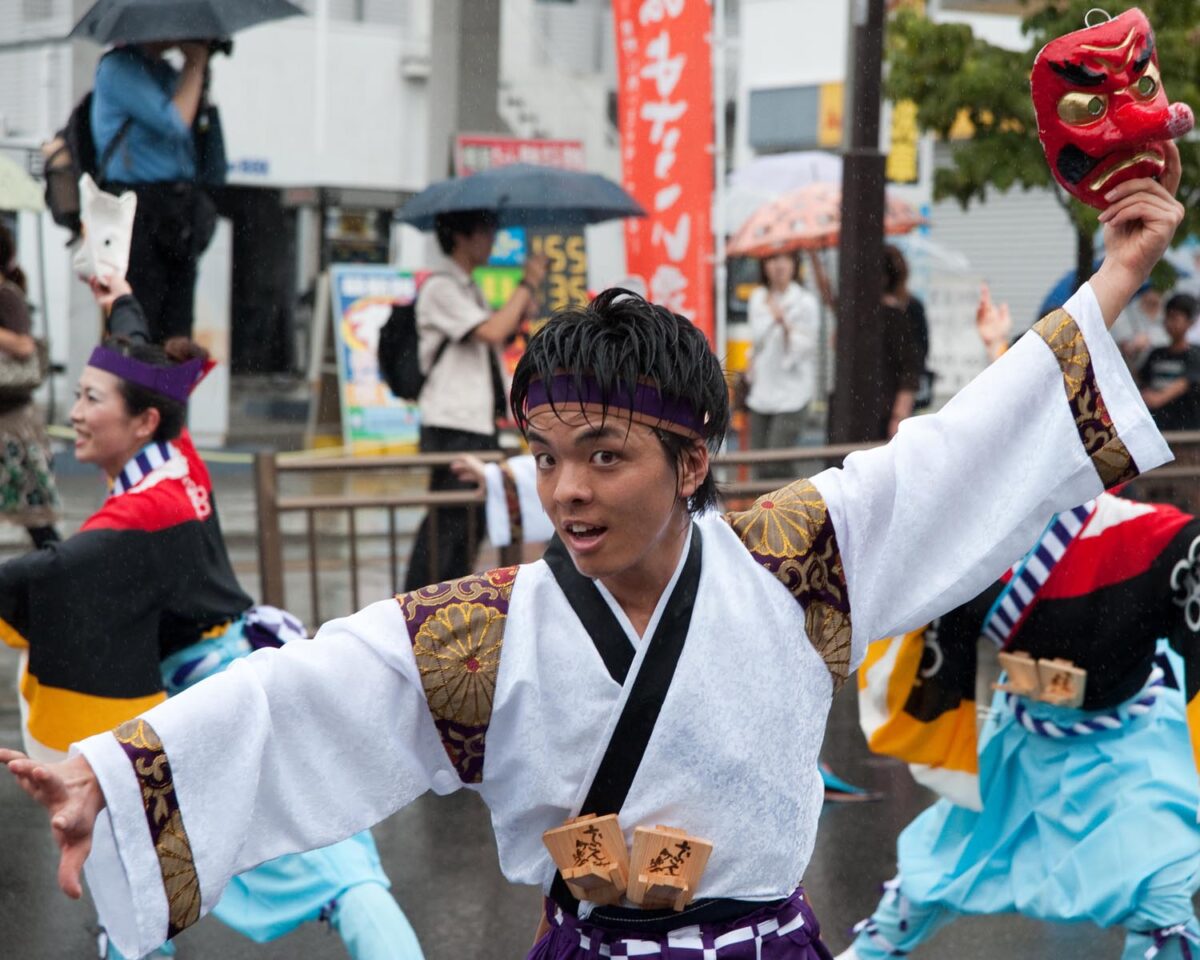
[[72, 796], [1139, 225]]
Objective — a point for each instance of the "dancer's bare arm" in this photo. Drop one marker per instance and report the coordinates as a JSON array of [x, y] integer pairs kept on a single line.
[[72, 796]]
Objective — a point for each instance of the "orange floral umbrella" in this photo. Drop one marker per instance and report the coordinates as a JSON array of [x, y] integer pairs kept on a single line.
[[810, 218]]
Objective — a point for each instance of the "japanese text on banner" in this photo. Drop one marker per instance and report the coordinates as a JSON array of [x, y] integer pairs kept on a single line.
[[666, 124]]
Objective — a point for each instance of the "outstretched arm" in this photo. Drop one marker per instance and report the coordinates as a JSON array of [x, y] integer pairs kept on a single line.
[[73, 799]]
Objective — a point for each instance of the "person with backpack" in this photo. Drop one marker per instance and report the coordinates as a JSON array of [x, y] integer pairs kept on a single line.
[[463, 393], [142, 115]]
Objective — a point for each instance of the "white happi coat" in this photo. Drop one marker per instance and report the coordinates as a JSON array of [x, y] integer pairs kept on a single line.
[[492, 681]]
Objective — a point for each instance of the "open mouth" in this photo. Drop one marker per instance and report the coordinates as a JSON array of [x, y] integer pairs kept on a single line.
[[583, 535], [1151, 157]]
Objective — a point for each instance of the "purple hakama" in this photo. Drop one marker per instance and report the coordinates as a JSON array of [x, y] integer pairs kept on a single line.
[[785, 931]]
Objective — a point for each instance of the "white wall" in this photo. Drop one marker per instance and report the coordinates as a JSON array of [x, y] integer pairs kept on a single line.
[[302, 105]]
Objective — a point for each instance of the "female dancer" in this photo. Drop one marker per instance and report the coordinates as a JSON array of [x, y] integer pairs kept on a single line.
[[142, 603]]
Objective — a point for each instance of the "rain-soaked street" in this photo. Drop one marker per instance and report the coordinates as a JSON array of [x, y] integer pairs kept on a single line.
[[441, 858]]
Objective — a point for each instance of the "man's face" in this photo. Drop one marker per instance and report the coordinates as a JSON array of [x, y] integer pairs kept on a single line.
[[609, 488], [1101, 111], [478, 244], [1177, 322]]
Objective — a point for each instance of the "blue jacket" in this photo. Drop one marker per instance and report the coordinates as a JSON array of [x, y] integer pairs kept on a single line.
[[158, 145]]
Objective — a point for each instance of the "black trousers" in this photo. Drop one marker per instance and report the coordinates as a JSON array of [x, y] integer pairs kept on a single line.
[[445, 553], [173, 225]]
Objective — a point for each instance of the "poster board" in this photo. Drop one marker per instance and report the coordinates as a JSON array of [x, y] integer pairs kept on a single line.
[[362, 296]]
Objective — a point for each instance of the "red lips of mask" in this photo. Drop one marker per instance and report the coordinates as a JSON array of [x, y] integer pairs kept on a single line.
[[1101, 111]]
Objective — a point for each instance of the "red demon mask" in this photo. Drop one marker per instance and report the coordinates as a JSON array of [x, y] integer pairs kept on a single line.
[[1102, 113]]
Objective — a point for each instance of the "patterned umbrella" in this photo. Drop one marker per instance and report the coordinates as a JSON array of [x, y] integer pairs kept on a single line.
[[810, 219]]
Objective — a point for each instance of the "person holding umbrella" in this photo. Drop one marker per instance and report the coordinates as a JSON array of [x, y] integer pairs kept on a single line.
[[464, 392], [153, 136], [143, 110]]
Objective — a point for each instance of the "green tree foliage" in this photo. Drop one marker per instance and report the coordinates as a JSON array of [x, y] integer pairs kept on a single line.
[[947, 71]]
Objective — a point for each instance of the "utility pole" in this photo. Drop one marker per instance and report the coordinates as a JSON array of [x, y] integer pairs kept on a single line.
[[860, 359]]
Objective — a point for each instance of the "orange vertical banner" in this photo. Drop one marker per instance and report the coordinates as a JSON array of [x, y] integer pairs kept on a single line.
[[664, 98]]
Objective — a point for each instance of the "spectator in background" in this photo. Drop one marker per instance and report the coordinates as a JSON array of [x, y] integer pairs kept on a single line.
[[784, 329], [1170, 377], [1140, 328], [464, 394], [143, 111], [28, 496], [906, 343]]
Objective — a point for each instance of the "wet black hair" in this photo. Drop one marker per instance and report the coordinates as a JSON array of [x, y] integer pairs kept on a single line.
[[447, 226], [172, 415], [620, 339], [1183, 303]]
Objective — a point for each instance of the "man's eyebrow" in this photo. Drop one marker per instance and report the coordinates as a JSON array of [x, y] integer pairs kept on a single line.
[[603, 432], [1078, 74]]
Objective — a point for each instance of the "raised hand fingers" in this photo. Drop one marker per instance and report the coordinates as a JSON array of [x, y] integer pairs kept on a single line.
[[1173, 173], [7, 756], [1142, 185]]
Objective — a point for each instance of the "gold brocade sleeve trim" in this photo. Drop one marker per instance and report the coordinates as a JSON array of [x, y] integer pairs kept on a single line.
[[1099, 437], [457, 631], [791, 534], [161, 804]]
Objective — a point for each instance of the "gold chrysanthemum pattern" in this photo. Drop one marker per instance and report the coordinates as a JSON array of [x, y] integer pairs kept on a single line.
[[1097, 433], [458, 655], [161, 805], [791, 534], [457, 633]]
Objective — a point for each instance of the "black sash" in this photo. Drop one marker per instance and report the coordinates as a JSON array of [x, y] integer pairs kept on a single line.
[[631, 735]]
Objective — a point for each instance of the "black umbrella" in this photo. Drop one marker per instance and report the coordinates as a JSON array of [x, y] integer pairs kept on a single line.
[[145, 21], [523, 194]]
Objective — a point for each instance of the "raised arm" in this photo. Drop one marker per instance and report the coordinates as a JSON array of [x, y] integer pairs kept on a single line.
[[905, 532]]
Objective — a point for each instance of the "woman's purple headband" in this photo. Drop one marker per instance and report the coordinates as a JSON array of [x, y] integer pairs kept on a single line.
[[644, 405], [175, 382]]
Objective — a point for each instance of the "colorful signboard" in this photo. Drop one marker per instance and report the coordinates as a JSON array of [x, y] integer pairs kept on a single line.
[[373, 421], [475, 152], [664, 92]]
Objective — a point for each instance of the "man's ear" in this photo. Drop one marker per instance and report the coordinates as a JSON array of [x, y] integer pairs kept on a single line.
[[693, 468]]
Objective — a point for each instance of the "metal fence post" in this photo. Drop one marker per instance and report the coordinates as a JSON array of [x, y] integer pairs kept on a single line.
[[270, 538]]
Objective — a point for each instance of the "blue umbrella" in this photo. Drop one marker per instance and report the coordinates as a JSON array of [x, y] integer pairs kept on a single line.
[[524, 195]]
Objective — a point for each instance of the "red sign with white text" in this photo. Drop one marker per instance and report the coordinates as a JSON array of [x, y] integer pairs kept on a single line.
[[664, 94], [475, 152]]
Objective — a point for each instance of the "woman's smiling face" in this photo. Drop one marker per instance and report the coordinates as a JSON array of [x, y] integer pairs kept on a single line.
[[105, 433]]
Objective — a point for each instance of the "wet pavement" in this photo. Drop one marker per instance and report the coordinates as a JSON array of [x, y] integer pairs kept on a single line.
[[439, 851]]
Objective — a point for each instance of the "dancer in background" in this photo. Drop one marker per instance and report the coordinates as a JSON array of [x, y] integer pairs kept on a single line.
[[142, 603]]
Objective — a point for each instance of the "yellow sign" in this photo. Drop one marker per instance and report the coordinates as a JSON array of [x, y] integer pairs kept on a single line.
[[902, 158], [829, 114]]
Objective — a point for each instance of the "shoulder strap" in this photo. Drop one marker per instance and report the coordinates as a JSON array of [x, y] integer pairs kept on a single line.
[[445, 338], [631, 735], [111, 150]]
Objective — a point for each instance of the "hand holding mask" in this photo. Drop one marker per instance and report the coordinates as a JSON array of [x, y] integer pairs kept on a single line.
[[1101, 109]]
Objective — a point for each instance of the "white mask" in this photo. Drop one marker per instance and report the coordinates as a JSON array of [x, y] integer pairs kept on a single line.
[[107, 231]]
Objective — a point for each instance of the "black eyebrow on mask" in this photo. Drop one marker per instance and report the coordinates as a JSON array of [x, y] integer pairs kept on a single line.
[[1141, 62], [1078, 74]]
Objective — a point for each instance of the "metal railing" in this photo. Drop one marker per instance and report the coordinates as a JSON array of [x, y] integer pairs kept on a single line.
[[306, 522]]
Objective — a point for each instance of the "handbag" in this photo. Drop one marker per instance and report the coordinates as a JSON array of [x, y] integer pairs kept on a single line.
[[20, 376]]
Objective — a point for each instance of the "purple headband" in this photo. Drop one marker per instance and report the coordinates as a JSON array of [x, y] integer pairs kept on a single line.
[[175, 382], [645, 405]]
